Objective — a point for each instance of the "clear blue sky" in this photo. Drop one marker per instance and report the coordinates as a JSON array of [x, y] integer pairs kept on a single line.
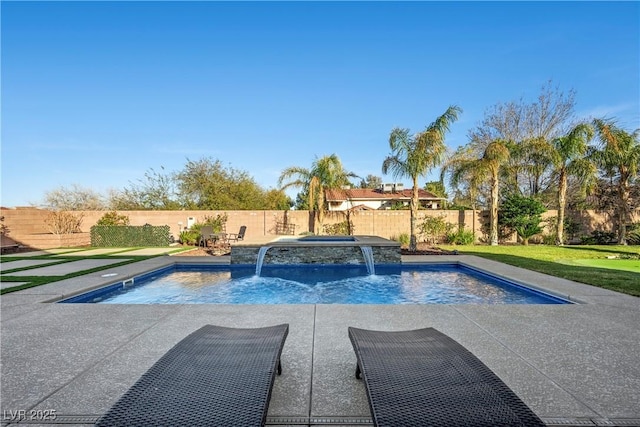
[[97, 93]]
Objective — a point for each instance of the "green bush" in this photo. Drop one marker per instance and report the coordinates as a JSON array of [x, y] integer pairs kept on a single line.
[[128, 235], [434, 229], [190, 237], [598, 238], [218, 222], [633, 234], [344, 228], [522, 214], [112, 218], [460, 237]]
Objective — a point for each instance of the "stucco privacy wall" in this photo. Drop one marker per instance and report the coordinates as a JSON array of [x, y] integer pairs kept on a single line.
[[28, 225]]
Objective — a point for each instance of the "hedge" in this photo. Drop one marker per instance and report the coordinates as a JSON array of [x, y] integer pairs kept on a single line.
[[129, 235]]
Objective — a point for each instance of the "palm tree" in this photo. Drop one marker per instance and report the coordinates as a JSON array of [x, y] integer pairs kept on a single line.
[[325, 173], [568, 155], [477, 162], [620, 158], [413, 156]]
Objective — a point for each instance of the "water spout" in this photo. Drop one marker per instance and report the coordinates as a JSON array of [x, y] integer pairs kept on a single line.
[[261, 253], [367, 253]]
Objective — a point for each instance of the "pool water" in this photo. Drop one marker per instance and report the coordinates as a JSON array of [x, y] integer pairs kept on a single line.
[[335, 284]]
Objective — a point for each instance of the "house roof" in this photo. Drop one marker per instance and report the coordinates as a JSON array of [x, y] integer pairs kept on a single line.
[[339, 195]]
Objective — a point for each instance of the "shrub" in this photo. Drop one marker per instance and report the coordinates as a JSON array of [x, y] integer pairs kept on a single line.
[[598, 237], [403, 239], [434, 229], [460, 237], [62, 222], [522, 214], [112, 218], [190, 237], [633, 234], [218, 222], [339, 229]]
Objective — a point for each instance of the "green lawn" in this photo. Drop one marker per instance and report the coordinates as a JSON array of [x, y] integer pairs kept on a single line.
[[586, 264]]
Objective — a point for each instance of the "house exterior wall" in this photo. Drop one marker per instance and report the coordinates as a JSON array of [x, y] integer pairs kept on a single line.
[[28, 226]]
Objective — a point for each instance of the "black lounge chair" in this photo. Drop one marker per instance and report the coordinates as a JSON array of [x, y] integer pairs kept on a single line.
[[214, 377], [237, 236], [425, 378]]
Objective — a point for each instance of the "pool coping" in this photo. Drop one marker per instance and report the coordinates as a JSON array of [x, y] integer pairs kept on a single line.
[[574, 365]]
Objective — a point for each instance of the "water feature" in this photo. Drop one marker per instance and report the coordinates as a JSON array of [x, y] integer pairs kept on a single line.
[[261, 253], [317, 250], [367, 254]]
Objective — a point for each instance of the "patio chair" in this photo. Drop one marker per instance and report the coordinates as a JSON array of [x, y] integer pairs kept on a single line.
[[216, 376], [237, 236], [425, 378], [206, 233]]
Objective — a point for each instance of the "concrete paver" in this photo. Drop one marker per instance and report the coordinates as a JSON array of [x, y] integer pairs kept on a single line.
[[147, 251], [567, 362], [7, 285], [44, 252], [97, 251], [22, 263], [67, 267]]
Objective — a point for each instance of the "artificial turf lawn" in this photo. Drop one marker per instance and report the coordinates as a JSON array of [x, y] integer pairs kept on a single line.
[[567, 262]]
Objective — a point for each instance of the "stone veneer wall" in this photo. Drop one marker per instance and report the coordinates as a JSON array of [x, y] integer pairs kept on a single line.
[[319, 254]]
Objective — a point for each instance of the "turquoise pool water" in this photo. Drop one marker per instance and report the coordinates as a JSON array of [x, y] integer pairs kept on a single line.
[[306, 284]]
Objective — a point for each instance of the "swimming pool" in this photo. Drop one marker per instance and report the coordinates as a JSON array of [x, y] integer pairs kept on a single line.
[[317, 284]]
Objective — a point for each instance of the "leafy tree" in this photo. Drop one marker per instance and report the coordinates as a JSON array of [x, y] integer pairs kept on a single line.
[[619, 156], [325, 173], [113, 218], [277, 200], [522, 214], [569, 157], [74, 198], [207, 184], [371, 181], [156, 191], [413, 156], [436, 188]]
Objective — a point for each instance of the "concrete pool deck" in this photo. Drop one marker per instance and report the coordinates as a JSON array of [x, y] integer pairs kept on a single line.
[[573, 365]]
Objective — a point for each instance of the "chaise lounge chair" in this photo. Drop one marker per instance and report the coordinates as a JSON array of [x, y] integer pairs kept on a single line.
[[237, 236], [425, 378], [214, 377]]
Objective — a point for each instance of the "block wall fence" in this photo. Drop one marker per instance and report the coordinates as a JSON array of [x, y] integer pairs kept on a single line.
[[28, 225]]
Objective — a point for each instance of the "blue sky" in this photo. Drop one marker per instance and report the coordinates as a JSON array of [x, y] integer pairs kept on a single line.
[[97, 93]]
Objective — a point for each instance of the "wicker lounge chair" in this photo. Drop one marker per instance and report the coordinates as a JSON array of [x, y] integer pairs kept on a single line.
[[206, 234], [214, 377], [425, 378]]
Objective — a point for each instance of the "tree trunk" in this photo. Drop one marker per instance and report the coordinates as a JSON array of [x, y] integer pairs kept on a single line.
[[623, 192], [413, 244], [493, 213], [562, 201]]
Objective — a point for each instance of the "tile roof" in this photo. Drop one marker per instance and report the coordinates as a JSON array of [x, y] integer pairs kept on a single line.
[[335, 195]]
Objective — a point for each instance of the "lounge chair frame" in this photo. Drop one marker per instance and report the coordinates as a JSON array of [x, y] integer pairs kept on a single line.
[[425, 378], [237, 236], [216, 376]]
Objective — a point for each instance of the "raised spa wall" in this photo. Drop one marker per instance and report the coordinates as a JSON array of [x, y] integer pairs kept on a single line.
[[319, 252]]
